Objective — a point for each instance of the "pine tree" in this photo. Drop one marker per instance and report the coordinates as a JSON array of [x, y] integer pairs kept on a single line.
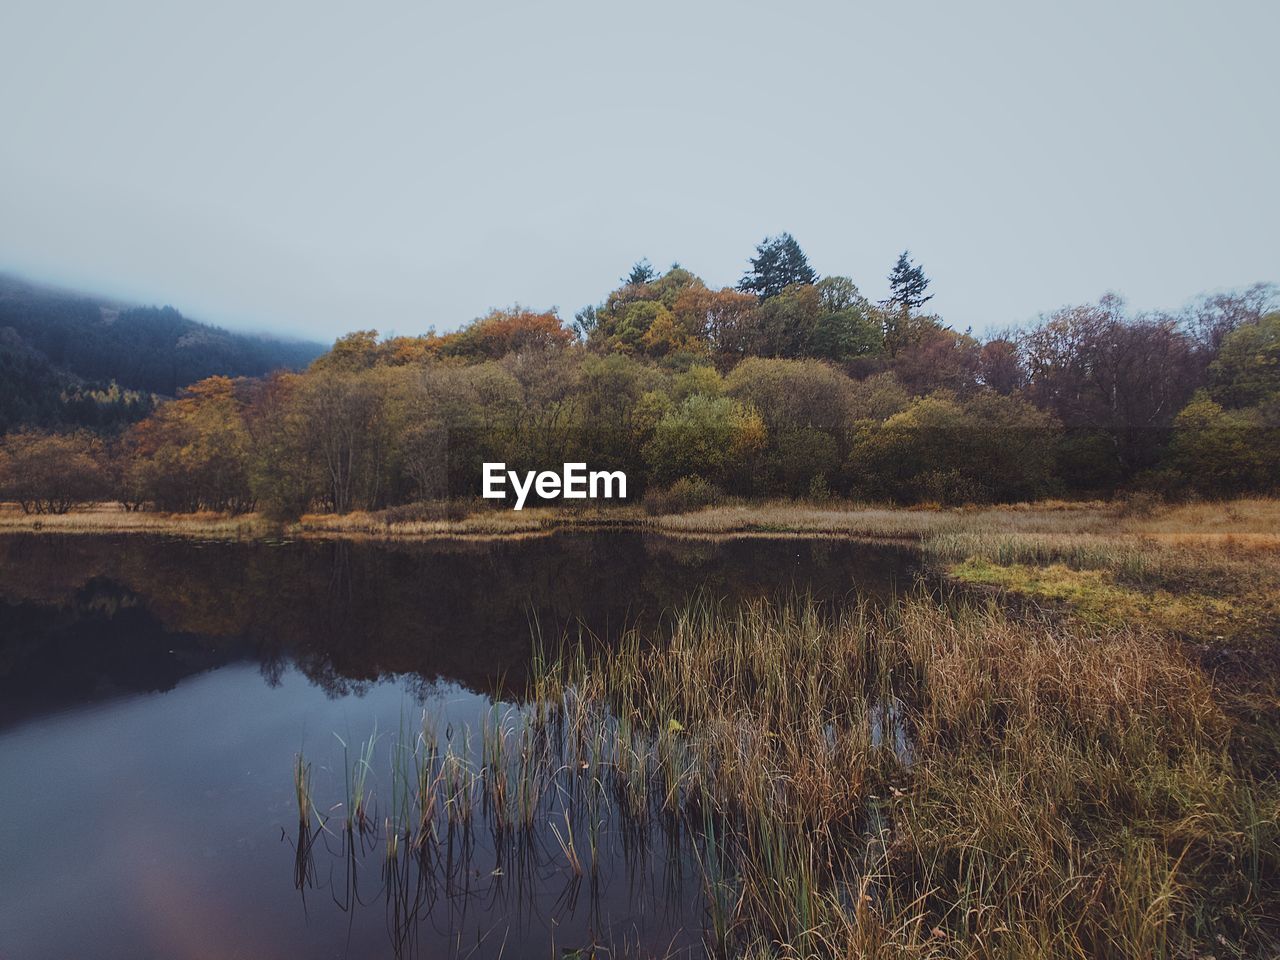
[[907, 284], [641, 272], [779, 263]]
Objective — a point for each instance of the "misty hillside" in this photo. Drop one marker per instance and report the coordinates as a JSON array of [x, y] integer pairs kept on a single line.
[[61, 353]]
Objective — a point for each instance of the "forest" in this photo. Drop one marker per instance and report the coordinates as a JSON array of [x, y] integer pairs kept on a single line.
[[71, 361], [787, 385]]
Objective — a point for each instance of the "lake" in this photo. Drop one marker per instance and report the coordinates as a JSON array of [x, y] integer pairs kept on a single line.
[[156, 694]]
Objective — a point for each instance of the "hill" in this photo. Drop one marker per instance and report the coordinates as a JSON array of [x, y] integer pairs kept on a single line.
[[72, 359]]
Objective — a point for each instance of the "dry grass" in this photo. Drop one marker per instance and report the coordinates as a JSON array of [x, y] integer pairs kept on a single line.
[[104, 518], [1055, 792], [476, 524], [926, 780]]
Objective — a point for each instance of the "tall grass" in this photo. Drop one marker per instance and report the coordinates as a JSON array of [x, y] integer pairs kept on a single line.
[[921, 779]]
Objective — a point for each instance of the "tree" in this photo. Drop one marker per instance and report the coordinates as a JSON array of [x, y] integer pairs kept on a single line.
[[1115, 382], [49, 472], [907, 284], [934, 357], [1224, 452], [807, 407], [779, 263], [846, 327], [1247, 370], [707, 437], [1000, 367], [584, 322], [641, 272], [193, 453], [1211, 318], [724, 319], [985, 448], [343, 419], [506, 331], [640, 318]]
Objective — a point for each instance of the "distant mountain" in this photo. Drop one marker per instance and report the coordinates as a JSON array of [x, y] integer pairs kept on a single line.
[[61, 352]]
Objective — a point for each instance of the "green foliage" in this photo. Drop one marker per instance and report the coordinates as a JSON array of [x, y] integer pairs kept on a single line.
[[830, 320], [808, 408], [1221, 452], [1247, 369], [779, 263], [641, 272], [985, 448], [640, 318], [907, 285], [707, 437], [698, 379]]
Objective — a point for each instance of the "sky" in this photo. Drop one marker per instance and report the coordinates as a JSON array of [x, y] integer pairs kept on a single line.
[[313, 168]]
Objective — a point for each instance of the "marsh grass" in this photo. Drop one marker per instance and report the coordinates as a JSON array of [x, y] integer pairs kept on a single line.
[[1208, 573], [927, 778]]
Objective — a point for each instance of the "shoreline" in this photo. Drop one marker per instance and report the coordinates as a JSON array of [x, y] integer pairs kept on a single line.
[[1207, 572], [766, 518]]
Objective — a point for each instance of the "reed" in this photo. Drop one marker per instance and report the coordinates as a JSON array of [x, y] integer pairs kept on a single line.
[[302, 788], [932, 777]]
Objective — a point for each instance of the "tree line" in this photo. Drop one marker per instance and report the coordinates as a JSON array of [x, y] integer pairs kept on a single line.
[[788, 384]]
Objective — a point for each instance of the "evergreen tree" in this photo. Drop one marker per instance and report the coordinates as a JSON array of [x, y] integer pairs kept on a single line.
[[641, 272], [907, 284], [779, 263]]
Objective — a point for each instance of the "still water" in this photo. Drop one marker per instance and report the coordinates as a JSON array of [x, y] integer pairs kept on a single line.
[[155, 694]]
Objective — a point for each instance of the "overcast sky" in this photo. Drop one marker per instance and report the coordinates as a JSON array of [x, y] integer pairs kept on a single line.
[[316, 167]]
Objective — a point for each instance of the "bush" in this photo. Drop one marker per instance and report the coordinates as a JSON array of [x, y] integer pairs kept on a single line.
[[684, 496], [49, 473], [708, 437], [981, 449]]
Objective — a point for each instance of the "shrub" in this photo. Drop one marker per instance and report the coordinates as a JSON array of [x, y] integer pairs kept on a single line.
[[684, 496]]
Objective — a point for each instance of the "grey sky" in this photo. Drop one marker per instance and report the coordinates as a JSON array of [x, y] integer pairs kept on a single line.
[[315, 168]]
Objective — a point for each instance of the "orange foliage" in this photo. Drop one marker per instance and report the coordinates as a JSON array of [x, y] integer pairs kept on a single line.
[[506, 331]]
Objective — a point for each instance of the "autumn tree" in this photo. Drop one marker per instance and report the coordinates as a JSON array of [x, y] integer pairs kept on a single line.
[[49, 472], [194, 452], [506, 331], [724, 319], [1114, 381], [641, 319], [932, 356], [808, 408], [999, 366]]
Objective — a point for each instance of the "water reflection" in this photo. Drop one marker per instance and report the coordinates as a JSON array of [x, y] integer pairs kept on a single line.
[[156, 815], [88, 617]]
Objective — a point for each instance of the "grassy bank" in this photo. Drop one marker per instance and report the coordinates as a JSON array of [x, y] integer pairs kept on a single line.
[[921, 780]]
